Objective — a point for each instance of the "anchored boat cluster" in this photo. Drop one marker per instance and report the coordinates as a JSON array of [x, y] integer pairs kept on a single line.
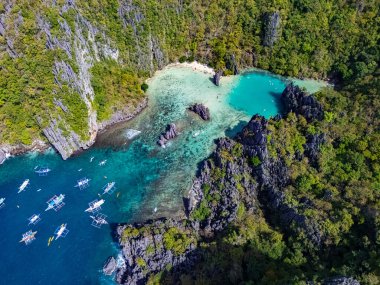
[[57, 202]]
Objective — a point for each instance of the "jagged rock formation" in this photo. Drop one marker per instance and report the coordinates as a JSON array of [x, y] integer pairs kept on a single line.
[[200, 110], [271, 28], [297, 101], [216, 79], [149, 54], [312, 147], [150, 247], [169, 134], [232, 65]]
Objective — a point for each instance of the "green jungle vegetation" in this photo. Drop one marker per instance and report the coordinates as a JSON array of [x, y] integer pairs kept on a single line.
[[342, 190], [316, 39]]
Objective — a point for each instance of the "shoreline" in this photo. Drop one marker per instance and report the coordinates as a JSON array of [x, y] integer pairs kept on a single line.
[[7, 151]]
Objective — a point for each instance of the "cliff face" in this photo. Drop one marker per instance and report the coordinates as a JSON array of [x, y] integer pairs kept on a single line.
[[70, 121], [272, 23]]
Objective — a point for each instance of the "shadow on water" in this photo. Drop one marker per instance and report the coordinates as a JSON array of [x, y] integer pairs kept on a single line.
[[232, 132], [277, 101]]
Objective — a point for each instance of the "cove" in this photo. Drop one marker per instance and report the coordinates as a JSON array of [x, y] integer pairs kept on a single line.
[[146, 176]]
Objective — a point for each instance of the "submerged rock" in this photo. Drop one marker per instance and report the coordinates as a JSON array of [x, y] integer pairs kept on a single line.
[[170, 133], [201, 110], [217, 76], [110, 266]]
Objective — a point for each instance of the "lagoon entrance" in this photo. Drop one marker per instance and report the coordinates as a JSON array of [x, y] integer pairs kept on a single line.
[[150, 181]]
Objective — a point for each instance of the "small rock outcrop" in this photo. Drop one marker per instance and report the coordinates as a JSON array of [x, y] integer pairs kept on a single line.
[[110, 266], [216, 79], [341, 281], [297, 101], [231, 64], [271, 28], [312, 147], [169, 134], [200, 110]]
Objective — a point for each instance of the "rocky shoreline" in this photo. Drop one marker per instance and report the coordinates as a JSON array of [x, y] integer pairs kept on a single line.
[[227, 180], [7, 151]]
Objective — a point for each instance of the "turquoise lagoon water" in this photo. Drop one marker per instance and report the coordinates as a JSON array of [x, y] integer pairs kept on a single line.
[[146, 176]]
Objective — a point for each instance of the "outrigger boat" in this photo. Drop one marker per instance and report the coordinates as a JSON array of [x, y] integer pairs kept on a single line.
[[43, 171], [99, 220], [23, 186], [83, 183], [28, 237], [103, 162], [55, 203], [34, 219], [61, 231], [95, 206], [2, 204], [109, 188]]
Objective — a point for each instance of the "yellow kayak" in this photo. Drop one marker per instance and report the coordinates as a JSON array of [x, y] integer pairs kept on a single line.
[[50, 240]]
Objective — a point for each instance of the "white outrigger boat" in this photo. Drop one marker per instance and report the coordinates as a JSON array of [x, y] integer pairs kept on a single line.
[[43, 171], [109, 188], [23, 186], [2, 204], [56, 202], [28, 237], [83, 183], [95, 206], [103, 162], [61, 231], [34, 219], [98, 220]]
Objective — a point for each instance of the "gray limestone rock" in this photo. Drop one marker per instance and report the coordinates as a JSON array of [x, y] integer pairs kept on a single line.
[[110, 266], [200, 110], [169, 134], [217, 76], [271, 28]]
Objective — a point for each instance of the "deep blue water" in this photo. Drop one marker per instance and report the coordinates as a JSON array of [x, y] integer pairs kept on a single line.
[[146, 176]]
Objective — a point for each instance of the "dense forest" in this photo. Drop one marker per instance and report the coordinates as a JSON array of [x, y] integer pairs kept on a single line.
[[44, 46]]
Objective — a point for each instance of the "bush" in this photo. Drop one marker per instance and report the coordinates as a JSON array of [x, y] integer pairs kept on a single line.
[[182, 59], [144, 87]]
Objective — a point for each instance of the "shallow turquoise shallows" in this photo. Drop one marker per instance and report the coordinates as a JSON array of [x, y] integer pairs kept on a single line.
[[146, 176]]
